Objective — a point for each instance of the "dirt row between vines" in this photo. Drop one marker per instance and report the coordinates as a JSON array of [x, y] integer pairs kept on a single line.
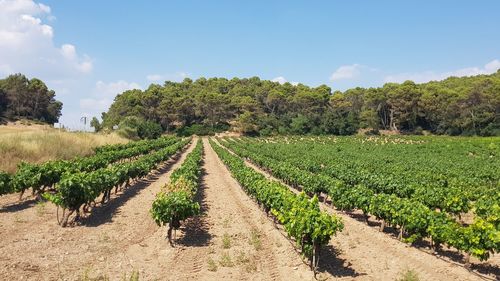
[[231, 240], [361, 252], [109, 243]]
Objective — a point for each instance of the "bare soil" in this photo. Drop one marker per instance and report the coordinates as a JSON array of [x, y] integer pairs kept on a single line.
[[232, 239], [108, 243], [362, 252]]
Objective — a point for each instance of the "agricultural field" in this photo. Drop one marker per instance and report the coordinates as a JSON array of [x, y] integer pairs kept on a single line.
[[333, 140], [238, 208], [439, 193]]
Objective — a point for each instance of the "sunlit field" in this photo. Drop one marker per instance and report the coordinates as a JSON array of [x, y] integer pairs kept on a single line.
[[37, 144]]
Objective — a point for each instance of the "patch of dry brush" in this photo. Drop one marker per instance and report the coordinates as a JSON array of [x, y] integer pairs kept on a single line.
[[37, 144]]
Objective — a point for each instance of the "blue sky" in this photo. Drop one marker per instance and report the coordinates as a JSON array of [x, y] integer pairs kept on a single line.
[[89, 51]]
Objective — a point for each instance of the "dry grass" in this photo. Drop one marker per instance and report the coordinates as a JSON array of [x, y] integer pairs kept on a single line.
[[226, 241], [225, 260], [409, 275], [254, 239], [37, 144], [212, 265]]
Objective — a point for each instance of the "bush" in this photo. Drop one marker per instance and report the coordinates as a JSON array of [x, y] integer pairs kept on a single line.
[[370, 132], [201, 130], [266, 132], [493, 129], [317, 131], [418, 131], [300, 125], [128, 132], [149, 130], [128, 127], [132, 127]]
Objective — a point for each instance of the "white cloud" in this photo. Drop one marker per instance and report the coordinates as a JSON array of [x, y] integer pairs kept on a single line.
[[104, 94], [114, 88], [68, 51], [492, 66], [95, 104], [426, 76], [27, 45], [154, 77], [176, 77], [346, 72], [282, 80], [279, 79], [25, 6], [44, 8]]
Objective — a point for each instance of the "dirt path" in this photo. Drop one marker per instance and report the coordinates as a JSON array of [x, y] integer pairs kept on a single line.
[[233, 239], [361, 252], [108, 244]]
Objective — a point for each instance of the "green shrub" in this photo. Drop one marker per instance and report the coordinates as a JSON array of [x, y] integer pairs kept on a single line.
[[133, 127], [201, 130], [149, 130]]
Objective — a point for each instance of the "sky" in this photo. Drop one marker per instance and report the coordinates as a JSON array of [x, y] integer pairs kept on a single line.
[[90, 51]]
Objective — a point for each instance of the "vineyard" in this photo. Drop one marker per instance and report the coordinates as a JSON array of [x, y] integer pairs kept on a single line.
[[76, 184], [282, 208], [175, 202], [422, 189]]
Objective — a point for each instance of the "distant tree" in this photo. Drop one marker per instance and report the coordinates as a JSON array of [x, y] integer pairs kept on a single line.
[[300, 125], [467, 105], [247, 123], [403, 101], [128, 127], [369, 119], [275, 102], [96, 124], [3, 102], [24, 98], [340, 119], [149, 130]]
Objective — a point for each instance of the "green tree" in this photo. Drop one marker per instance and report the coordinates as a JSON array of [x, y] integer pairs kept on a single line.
[[340, 119], [370, 119], [128, 127], [247, 123], [94, 123], [300, 125], [467, 105], [24, 98], [149, 130]]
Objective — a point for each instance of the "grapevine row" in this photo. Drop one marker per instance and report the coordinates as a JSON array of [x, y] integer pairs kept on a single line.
[[76, 191], [450, 175], [450, 199], [175, 202], [41, 177], [480, 239], [122, 146], [301, 217]]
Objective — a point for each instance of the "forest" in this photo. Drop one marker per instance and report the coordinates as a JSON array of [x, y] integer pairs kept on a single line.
[[23, 98], [455, 106]]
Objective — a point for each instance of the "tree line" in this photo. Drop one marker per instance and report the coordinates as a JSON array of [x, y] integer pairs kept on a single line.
[[455, 106], [23, 98]]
